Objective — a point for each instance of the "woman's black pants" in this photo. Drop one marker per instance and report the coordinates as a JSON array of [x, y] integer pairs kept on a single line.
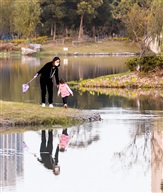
[[46, 85]]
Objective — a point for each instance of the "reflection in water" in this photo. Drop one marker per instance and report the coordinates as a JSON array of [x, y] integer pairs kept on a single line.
[[138, 149], [136, 98], [146, 146], [84, 137], [157, 158], [12, 154], [144, 151], [64, 140], [16, 71], [11, 159], [46, 151], [91, 138], [29, 60]]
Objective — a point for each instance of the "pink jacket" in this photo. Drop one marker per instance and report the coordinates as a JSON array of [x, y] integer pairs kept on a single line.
[[64, 139], [65, 90]]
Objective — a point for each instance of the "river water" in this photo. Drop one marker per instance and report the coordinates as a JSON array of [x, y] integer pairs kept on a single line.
[[121, 153]]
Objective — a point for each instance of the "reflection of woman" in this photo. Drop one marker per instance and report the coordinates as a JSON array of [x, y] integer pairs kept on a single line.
[[56, 167], [46, 149], [46, 153]]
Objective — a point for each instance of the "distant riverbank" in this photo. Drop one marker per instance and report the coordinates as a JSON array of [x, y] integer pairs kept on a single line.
[[101, 48], [86, 48]]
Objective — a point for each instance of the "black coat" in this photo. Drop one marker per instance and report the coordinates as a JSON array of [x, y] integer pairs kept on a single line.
[[48, 72]]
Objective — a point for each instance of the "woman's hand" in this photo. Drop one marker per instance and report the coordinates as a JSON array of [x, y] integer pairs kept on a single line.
[[35, 76]]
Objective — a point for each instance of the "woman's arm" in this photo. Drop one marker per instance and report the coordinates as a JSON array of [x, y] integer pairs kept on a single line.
[[56, 77]]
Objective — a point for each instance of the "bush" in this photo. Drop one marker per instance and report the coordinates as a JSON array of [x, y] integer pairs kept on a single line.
[[39, 40], [146, 63], [18, 41], [132, 63]]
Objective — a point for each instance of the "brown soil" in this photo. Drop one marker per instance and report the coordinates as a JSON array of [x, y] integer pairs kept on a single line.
[[8, 47]]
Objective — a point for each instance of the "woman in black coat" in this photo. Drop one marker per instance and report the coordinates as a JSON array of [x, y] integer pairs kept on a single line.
[[47, 72]]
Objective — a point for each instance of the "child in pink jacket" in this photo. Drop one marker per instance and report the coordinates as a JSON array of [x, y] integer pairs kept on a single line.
[[64, 140], [65, 91]]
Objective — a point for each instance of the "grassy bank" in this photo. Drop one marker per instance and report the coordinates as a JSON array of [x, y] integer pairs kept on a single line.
[[25, 114], [83, 48], [52, 48], [124, 80], [127, 84]]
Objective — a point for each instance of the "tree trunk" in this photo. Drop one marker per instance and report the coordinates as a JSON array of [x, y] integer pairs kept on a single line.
[[51, 32], [29, 40], [93, 31], [145, 46], [54, 29], [66, 31], [81, 28]]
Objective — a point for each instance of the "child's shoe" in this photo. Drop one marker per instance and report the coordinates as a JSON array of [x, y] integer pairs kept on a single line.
[[65, 106]]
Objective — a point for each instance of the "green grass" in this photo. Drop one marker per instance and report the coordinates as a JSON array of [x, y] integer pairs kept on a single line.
[[122, 80], [26, 114], [51, 48], [103, 47]]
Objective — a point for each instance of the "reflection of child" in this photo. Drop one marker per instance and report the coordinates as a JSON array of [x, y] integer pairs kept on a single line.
[[65, 91], [64, 140]]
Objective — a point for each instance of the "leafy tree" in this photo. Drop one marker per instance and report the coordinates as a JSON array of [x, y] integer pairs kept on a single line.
[[157, 21], [52, 11], [86, 7], [143, 20], [26, 17], [6, 17], [70, 19], [104, 23]]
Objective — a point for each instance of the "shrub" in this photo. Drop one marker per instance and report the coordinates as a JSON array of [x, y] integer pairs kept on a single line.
[[39, 40], [146, 63], [132, 63], [18, 41]]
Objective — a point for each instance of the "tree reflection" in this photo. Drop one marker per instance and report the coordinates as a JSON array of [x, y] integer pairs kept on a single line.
[[157, 157], [156, 149], [83, 136], [145, 149], [138, 149]]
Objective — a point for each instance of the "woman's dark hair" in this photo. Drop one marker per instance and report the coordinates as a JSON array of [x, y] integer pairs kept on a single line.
[[56, 58]]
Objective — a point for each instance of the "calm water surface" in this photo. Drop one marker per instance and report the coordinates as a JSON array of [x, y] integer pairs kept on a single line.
[[17, 71], [120, 153]]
